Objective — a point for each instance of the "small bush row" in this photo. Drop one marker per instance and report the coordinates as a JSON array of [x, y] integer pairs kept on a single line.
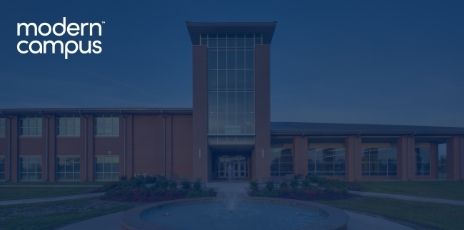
[[154, 188], [308, 188]]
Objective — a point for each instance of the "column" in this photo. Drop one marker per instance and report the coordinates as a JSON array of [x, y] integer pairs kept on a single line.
[[14, 149], [353, 158], [454, 161], [200, 113], [129, 146], [262, 154], [51, 143], [406, 157], [300, 158], [90, 158]]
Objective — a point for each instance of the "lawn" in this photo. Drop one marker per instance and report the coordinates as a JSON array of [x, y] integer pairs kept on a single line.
[[437, 189], [423, 215], [27, 192], [55, 214]]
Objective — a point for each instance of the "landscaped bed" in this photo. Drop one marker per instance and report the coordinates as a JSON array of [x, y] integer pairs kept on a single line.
[[308, 188], [154, 188]]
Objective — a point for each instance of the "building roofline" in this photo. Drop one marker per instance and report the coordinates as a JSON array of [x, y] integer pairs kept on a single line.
[[114, 110], [197, 28], [340, 129]]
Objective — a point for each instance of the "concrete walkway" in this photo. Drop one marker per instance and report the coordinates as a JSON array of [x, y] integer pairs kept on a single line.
[[49, 199], [408, 198], [362, 221]]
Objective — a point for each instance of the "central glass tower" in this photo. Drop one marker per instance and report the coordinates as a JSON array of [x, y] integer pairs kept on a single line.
[[231, 121]]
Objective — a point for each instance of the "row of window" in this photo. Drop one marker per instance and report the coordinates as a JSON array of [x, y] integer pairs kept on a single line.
[[230, 41], [66, 126], [330, 161], [68, 168]]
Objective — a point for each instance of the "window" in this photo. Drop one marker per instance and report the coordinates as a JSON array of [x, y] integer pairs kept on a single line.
[[107, 126], [2, 127], [69, 126], [30, 126], [423, 159], [379, 161], [30, 168], [282, 157], [2, 168], [107, 168], [231, 83], [326, 161], [68, 168]]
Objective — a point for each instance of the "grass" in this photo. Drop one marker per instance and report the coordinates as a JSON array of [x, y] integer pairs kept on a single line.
[[424, 215], [437, 189], [22, 192], [56, 214]]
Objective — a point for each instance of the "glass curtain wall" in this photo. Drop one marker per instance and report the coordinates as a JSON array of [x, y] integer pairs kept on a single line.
[[379, 160], [282, 157], [231, 83], [326, 160]]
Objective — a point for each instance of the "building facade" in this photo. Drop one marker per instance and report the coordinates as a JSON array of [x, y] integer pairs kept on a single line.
[[227, 135]]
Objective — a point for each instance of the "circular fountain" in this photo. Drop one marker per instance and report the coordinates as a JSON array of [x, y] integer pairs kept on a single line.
[[243, 214]]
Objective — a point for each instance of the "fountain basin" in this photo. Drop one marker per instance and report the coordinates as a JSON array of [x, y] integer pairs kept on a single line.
[[248, 214]]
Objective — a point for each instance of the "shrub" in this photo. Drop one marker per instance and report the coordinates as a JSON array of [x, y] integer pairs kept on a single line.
[[283, 186], [186, 185], [151, 189], [269, 186], [172, 185], [306, 183], [254, 186], [294, 184], [311, 188], [197, 185]]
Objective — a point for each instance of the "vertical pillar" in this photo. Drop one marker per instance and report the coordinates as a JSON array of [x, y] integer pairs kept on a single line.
[[300, 159], [200, 113], [45, 152], [461, 156], [51, 148], [453, 163], [353, 158], [84, 143], [14, 161], [262, 153], [8, 149], [433, 160], [130, 146], [406, 157], [90, 156], [168, 145]]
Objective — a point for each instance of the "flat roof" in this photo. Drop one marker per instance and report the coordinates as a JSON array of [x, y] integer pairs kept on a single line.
[[334, 129], [131, 110], [197, 28]]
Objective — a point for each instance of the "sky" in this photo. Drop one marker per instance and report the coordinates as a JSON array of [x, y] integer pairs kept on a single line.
[[376, 62]]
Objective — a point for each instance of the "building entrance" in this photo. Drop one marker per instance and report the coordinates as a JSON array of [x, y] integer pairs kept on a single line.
[[232, 167]]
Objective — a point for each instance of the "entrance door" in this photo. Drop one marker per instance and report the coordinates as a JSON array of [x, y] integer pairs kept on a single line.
[[232, 167]]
